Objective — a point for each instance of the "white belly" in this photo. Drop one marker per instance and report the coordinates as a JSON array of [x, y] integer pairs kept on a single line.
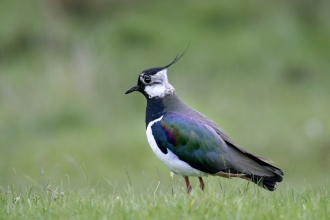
[[170, 159]]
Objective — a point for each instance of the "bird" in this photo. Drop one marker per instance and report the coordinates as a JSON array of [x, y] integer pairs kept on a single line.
[[189, 143]]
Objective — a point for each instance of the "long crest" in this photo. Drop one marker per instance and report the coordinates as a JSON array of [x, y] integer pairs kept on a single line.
[[177, 58]]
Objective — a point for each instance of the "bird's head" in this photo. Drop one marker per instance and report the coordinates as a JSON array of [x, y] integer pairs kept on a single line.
[[153, 82]]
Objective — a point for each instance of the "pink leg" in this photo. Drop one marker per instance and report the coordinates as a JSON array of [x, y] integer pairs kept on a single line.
[[187, 184], [201, 183]]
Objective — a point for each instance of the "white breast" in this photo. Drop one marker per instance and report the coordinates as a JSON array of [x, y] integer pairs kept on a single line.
[[170, 159]]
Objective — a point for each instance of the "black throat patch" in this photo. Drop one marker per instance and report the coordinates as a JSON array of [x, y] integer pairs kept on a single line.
[[155, 109]]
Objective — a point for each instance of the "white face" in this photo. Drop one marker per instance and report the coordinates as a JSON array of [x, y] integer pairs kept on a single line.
[[158, 85]]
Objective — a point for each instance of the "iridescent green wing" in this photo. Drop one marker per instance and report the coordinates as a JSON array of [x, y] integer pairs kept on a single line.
[[192, 141]]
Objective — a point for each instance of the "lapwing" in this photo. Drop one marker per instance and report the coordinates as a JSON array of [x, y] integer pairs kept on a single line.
[[191, 144]]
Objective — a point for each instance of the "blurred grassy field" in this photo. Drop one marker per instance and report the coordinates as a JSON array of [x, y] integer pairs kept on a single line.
[[232, 201], [261, 70]]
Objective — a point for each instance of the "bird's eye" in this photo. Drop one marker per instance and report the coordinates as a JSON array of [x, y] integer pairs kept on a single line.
[[147, 79]]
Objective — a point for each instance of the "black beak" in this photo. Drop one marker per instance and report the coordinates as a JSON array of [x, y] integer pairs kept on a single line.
[[134, 88]]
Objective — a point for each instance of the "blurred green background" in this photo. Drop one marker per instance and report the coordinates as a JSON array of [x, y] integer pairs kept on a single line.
[[259, 69]]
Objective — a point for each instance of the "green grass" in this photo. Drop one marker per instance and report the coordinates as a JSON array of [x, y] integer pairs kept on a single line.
[[232, 199]]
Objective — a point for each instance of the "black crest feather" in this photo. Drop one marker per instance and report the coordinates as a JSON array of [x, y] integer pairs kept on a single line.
[[177, 58], [153, 71]]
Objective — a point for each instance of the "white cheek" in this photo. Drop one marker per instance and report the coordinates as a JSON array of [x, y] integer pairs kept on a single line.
[[157, 90]]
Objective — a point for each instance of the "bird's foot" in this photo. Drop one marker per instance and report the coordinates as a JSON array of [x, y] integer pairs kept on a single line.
[[201, 183], [188, 185]]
